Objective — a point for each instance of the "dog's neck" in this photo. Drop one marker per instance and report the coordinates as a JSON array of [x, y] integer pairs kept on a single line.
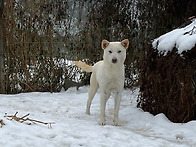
[[111, 67]]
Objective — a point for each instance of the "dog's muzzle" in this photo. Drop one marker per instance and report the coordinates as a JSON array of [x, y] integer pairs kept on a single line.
[[114, 60]]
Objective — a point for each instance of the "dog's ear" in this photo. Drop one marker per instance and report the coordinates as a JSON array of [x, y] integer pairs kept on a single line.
[[104, 44], [125, 43]]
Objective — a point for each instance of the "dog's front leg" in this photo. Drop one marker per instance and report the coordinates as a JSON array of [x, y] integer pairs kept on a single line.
[[116, 108], [102, 107]]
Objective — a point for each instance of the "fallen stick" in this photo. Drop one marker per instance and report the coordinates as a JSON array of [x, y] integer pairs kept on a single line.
[[24, 119], [1, 123]]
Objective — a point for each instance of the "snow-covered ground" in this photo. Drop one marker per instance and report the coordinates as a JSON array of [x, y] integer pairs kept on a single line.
[[73, 128]]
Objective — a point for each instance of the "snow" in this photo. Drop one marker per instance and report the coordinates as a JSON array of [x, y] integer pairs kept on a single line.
[[183, 39], [73, 128]]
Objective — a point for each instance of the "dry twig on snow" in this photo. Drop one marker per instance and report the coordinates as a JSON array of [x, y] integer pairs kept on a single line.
[[26, 119], [1, 123]]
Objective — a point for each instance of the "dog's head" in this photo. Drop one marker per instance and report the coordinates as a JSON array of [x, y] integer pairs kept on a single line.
[[115, 52]]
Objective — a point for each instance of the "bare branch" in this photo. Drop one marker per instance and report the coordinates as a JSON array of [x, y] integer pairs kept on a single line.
[[26, 119], [1, 123]]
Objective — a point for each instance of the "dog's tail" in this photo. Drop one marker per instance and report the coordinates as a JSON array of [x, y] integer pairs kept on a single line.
[[84, 66]]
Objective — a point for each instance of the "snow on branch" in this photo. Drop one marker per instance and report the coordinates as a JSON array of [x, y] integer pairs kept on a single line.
[[182, 39], [27, 120]]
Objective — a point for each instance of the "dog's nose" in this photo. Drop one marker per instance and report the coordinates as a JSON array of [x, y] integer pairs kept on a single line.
[[114, 60]]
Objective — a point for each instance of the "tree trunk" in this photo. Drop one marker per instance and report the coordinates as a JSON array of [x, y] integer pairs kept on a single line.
[[2, 45]]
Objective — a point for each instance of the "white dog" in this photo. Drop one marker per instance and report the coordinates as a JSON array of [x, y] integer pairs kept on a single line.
[[108, 75]]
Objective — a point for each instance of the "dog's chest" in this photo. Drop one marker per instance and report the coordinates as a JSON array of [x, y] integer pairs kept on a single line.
[[113, 85], [113, 82], [109, 76]]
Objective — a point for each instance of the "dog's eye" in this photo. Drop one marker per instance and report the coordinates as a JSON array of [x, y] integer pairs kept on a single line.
[[119, 51], [110, 52]]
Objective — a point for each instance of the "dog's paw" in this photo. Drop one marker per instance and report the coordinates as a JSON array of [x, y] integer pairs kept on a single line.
[[116, 123], [102, 122], [87, 113]]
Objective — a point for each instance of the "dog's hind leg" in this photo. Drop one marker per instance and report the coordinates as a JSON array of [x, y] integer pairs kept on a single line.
[[91, 93], [108, 95]]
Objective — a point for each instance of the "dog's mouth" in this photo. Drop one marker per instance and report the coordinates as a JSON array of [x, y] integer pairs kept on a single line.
[[114, 60]]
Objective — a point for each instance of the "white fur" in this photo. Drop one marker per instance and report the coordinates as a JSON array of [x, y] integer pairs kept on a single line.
[[108, 75]]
